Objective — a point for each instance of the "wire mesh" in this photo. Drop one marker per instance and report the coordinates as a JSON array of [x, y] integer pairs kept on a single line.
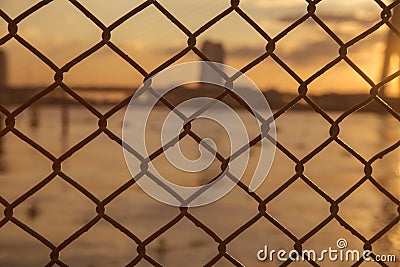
[[300, 163]]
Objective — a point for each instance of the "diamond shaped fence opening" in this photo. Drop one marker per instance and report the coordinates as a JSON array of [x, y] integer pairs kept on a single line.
[[205, 235]]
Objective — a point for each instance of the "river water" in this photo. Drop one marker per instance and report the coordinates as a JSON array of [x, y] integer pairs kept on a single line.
[[58, 210]]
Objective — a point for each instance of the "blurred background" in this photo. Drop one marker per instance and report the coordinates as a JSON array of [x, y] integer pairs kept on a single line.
[[57, 122]]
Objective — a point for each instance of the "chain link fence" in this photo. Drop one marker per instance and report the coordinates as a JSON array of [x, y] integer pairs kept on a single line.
[[299, 163]]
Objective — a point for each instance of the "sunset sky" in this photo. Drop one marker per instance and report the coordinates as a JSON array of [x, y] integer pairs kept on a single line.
[[61, 32]]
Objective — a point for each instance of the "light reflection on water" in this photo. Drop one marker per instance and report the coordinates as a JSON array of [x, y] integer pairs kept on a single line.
[[58, 210]]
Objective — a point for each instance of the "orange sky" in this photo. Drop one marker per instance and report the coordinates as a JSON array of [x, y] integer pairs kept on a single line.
[[62, 32]]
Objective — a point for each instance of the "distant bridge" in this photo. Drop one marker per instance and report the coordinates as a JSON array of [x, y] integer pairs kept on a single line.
[[114, 95]]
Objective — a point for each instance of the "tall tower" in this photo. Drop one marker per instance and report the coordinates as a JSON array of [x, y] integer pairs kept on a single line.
[[3, 84], [392, 47], [214, 52], [3, 72]]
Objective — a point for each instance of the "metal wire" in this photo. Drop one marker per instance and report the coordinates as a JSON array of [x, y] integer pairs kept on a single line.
[[185, 212]]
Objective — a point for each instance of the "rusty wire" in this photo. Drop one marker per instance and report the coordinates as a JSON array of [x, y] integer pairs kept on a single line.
[[185, 212]]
